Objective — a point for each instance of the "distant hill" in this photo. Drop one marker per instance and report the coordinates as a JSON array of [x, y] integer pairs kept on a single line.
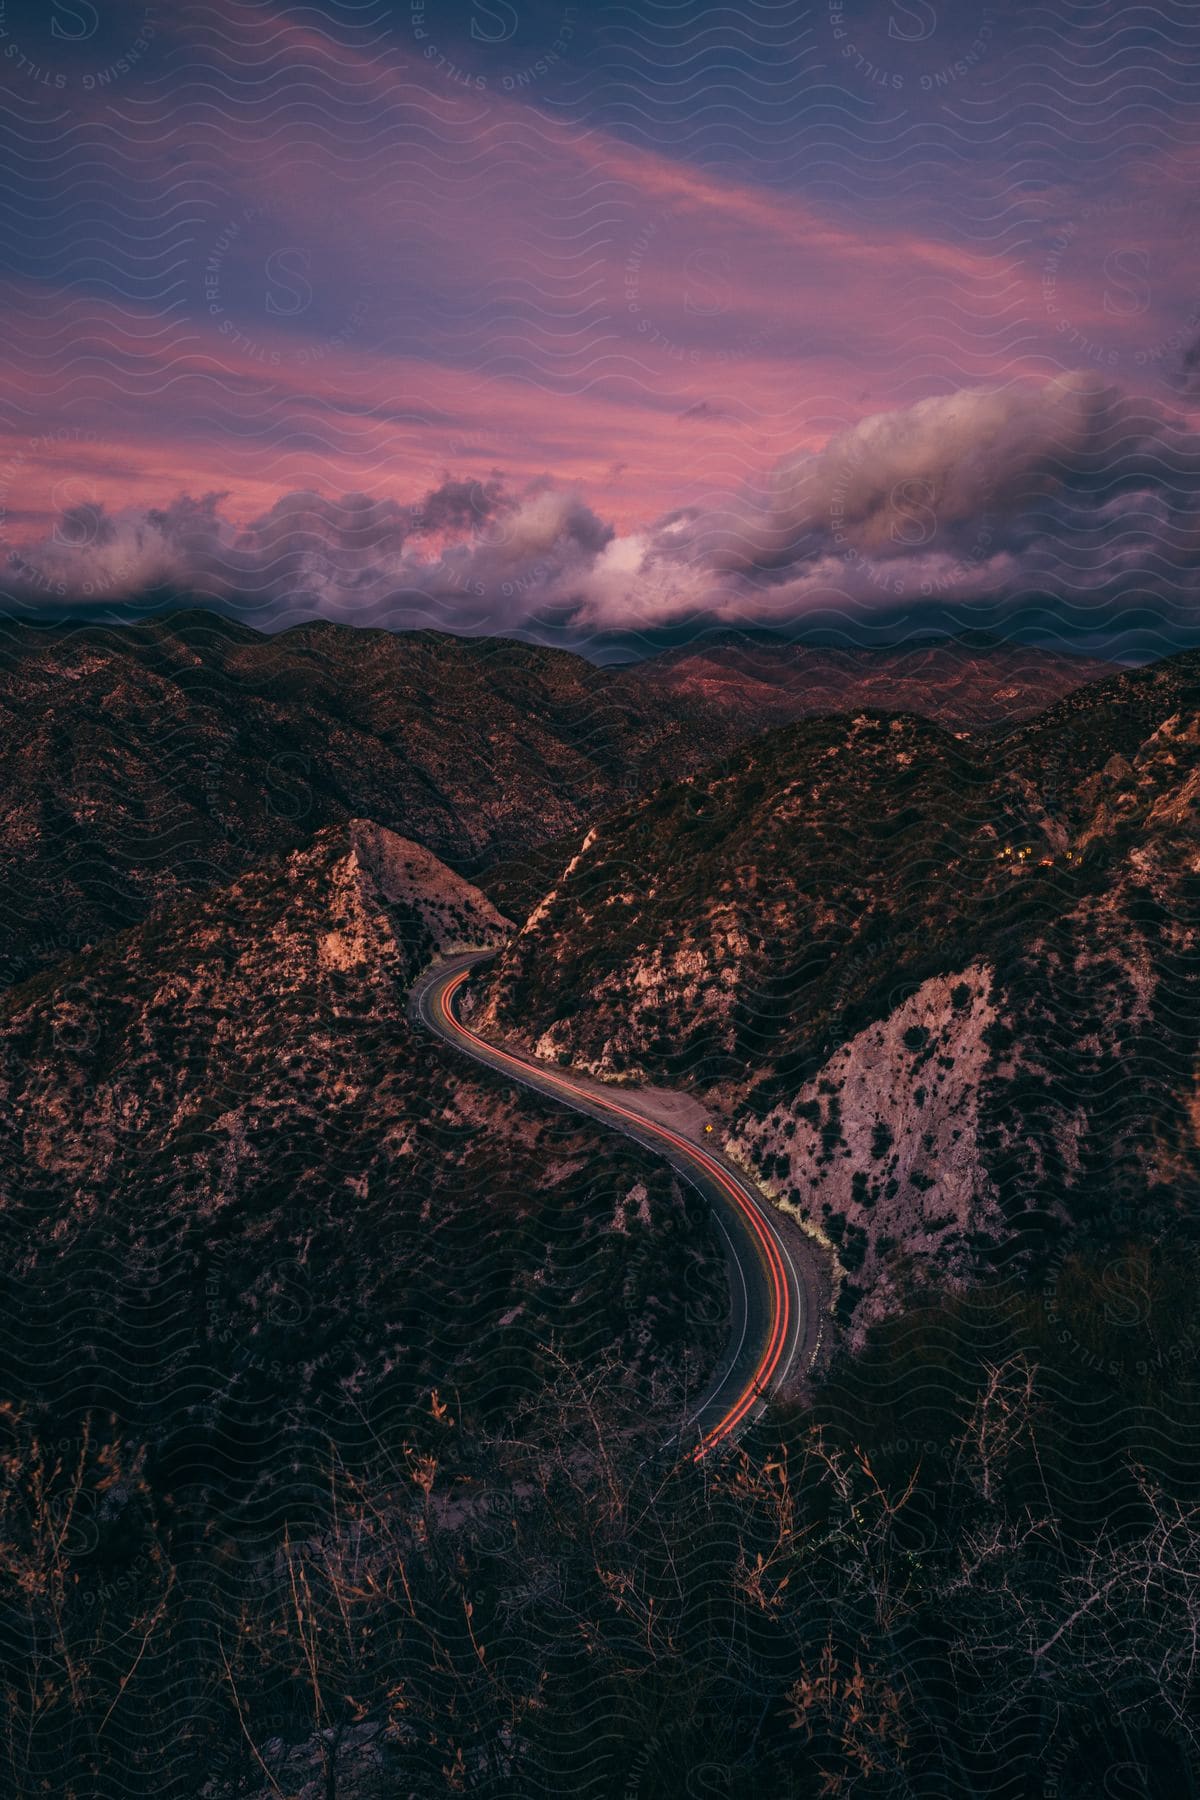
[[967, 683]]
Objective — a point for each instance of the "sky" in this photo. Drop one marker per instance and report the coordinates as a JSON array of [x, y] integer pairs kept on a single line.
[[853, 320]]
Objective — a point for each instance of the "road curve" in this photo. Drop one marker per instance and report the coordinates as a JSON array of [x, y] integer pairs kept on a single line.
[[770, 1306]]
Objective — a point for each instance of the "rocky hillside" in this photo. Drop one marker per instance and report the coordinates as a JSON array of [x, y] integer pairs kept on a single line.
[[145, 761], [948, 993], [967, 683], [247, 1207]]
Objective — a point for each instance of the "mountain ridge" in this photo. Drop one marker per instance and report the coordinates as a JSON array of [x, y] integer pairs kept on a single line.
[[163, 757], [826, 931]]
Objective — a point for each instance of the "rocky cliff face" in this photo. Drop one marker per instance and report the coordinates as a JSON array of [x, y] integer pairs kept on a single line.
[[947, 993], [882, 1153], [243, 1199]]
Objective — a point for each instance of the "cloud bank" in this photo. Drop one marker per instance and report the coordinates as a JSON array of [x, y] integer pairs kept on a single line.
[[1072, 492]]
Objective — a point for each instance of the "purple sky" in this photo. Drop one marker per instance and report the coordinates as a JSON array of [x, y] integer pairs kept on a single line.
[[845, 317]]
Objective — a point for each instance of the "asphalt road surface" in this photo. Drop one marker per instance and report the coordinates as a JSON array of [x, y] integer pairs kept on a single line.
[[769, 1302]]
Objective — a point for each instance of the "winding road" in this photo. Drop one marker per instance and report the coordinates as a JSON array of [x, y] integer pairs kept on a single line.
[[772, 1305]]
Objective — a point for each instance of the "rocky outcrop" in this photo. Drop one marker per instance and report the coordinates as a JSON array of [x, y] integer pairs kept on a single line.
[[883, 1150]]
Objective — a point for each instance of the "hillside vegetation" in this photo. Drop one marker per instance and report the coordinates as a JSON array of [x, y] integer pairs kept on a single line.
[[144, 761], [248, 1207], [335, 1369], [945, 991], [147, 761]]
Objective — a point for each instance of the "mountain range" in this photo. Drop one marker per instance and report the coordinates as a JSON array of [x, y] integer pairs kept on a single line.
[[166, 757], [334, 1366]]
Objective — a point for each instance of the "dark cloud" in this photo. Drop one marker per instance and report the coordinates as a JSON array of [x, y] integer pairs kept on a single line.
[[1073, 491], [466, 554]]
